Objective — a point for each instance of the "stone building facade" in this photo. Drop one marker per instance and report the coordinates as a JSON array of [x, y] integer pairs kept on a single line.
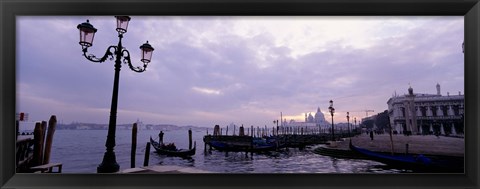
[[418, 113]]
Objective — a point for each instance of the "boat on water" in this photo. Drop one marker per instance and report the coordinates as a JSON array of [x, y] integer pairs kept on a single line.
[[254, 145], [419, 162], [171, 150]]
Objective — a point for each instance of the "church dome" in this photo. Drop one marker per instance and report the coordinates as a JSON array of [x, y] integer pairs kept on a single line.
[[310, 118], [319, 117]]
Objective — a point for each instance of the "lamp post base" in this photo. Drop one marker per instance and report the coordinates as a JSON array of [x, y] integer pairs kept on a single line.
[[109, 164]]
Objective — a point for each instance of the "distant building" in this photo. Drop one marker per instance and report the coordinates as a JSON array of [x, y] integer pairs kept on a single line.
[[372, 117], [317, 121], [418, 113]]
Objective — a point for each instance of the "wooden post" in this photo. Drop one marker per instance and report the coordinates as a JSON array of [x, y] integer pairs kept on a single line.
[[134, 145], [390, 133], [38, 145], [251, 147], [204, 147], [48, 145], [241, 131], [406, 149], [216, 130], [44, 131], [147, 155], [189, 138]]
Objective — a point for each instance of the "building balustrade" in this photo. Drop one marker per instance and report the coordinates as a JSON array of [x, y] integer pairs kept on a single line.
[[454, 117]]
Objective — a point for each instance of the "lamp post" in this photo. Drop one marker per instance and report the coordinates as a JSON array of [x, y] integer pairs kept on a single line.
[[276, 121], [121, 54], [355, 126], [348, 124], [332, 110]]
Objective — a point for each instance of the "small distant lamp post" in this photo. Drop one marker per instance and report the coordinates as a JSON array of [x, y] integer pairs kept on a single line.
[[348, 124], [276, 121], [332, 111], [121, 54], [355, 126]]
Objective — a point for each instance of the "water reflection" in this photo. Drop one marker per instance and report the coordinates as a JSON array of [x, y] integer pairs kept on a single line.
[[169, 160], [289, 160]]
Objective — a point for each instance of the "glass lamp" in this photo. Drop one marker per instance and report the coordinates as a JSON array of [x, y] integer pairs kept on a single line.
[[87, 32], [147, 51], [122, 24]]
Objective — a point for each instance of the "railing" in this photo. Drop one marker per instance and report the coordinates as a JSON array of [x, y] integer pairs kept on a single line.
[[33, 153], [24, 153], [431, 117]]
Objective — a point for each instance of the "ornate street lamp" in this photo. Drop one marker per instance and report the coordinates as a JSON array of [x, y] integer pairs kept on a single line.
[[332, 110], [121, 54], [348, 124]]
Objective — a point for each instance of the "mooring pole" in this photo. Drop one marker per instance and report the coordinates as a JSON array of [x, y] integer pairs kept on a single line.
[[134, 146], [147, 155], [190, 139]]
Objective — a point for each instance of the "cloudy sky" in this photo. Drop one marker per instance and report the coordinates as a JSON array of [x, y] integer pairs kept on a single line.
[[242, 70]]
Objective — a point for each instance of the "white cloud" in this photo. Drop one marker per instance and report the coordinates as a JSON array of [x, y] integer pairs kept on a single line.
[[207, 91]]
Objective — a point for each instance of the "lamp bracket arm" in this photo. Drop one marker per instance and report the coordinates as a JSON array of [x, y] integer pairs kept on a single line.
[[127, 60], [108, 54]]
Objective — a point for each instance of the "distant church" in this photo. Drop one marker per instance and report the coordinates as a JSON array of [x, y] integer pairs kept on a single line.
[[310, 121]]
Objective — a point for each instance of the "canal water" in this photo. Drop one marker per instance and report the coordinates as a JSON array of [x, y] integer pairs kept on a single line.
[[81, 151]]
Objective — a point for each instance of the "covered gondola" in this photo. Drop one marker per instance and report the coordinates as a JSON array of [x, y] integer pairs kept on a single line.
[[419, 162], [255, 145]]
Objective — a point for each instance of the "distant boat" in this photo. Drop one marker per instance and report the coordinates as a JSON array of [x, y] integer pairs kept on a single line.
[[413, 162], [163, 149]]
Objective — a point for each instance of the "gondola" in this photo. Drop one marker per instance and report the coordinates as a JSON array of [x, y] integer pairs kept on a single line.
[[257, 145], [418, 163], [161, 149]]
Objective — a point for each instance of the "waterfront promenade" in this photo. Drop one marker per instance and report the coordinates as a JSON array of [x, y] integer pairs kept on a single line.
[[417, 144]]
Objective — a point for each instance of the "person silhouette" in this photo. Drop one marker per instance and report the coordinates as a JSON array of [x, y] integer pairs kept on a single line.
[[160, 137]]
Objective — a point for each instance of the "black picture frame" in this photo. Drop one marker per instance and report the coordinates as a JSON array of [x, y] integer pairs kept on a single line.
[[12, 8]]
